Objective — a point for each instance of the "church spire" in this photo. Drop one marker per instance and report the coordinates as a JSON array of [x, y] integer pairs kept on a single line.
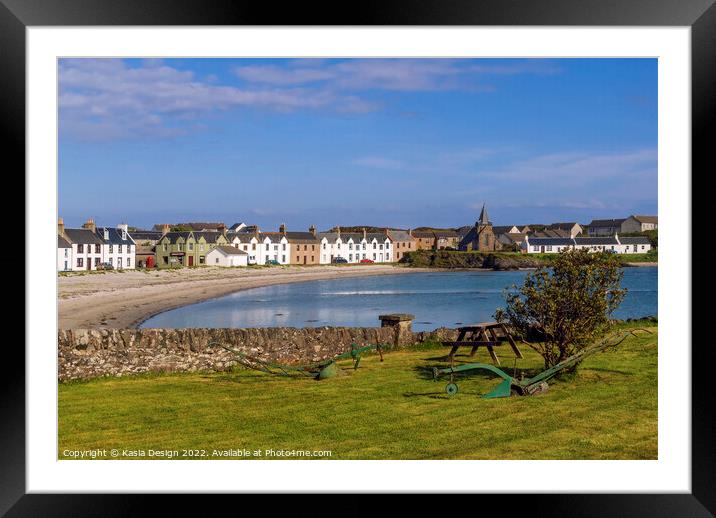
[[484, 218]]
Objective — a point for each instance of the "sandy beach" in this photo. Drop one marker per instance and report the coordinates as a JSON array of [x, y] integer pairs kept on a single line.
[[125, 299]]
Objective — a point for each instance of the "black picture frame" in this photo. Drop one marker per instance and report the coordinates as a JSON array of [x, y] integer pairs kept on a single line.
[[700, 15]]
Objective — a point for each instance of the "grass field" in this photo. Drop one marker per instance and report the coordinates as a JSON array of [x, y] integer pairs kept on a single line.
[[389, 410]]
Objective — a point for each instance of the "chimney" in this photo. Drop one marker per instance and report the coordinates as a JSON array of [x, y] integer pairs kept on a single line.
[[123, 228], [282, 228], [89, 224], [61, 226], [312, 230], [165, 228]]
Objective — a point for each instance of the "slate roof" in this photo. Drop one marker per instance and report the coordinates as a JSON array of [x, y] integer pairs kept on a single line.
[[209, 236], [607, 222], [636, 240], [174, 236], [82, 236], [145, 235], [62, 242], [229, 250], [114, 236], [551, 241], [646, 219], [610, 240], [399, 235]]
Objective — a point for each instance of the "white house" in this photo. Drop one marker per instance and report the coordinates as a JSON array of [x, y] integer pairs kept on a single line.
[[118, 247], [614, 244], [64, 254], [355, 246], [227, 256]]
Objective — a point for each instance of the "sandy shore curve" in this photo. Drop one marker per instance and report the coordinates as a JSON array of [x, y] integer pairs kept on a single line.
[[125, 299]]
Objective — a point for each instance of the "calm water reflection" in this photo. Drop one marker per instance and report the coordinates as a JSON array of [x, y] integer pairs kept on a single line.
[[436, 299]]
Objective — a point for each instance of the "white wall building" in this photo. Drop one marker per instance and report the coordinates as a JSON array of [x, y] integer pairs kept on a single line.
[[227, 256], [355, 246], [64, 254]]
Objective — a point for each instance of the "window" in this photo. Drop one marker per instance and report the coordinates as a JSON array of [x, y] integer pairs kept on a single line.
[[80, 250], [80, 261]]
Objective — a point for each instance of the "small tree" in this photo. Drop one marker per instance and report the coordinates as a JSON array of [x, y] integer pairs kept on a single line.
[[567, 305]]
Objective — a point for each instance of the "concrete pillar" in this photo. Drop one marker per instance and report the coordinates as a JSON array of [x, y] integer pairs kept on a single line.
[[401, 323]]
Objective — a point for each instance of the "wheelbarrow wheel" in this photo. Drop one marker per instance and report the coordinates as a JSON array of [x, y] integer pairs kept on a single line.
[[451, 389]]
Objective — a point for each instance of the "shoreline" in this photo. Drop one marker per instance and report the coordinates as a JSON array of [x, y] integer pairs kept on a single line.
[[125, 300]]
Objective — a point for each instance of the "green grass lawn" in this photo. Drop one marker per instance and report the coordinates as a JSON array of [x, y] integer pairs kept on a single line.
[[389, 410]]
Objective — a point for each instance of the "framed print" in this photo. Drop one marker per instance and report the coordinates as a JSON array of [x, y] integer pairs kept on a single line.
[[419, 241]]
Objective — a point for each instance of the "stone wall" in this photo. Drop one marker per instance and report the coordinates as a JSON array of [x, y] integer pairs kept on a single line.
[[89, 353]]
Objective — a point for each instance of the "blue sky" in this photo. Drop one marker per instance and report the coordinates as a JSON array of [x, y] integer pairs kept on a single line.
[[396, 142]]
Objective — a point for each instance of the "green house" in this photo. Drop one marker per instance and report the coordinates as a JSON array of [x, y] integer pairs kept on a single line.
[[177, 249]]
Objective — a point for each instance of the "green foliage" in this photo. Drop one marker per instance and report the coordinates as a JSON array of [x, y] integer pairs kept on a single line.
[[568, 304]]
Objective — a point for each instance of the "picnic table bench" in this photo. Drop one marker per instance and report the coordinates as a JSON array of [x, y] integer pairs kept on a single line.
[[486, 334]]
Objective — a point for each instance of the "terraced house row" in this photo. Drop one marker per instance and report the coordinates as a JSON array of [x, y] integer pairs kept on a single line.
[[94, 248]]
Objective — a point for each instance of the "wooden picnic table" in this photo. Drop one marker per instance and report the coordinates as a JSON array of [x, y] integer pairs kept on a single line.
[[485, 334]]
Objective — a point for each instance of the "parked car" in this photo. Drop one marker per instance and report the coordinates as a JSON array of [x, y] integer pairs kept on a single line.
[[367, 261], [272, 262], [340, 260]]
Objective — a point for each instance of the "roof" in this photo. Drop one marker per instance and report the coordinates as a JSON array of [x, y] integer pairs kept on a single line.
[[484, 219], [113, 236], [636, 240], [607, 222], [646, 219], [610, 240], [552, 232], [301, 237], [550, 241], [146, 235], [229, 250], [210, 236], [174, 236], [563, 226], [82, 236], [400, 235], [62, 242]]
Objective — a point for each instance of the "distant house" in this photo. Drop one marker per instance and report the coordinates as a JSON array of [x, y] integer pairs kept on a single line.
[[356, 246], [86, 246], [546, 245], [510, 240], [186, 248], [64, 254], [605, 227], [635, 245], [227, 256], [118, 246], [639, 224], [403, 242], [573, 228], [481, 237], [615, 244], [304, 246]]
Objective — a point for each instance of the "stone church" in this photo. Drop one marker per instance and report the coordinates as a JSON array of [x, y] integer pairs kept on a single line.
[[480, 238]]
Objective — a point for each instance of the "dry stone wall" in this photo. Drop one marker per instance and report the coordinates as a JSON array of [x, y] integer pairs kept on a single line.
[[90, 353]]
